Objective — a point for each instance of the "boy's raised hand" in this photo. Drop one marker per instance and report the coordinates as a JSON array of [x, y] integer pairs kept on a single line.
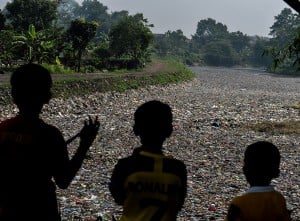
[[89, 132]]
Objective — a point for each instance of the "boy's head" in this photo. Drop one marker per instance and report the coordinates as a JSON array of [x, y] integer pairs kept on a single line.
[[30, 87], [153, 122], [261, 163]]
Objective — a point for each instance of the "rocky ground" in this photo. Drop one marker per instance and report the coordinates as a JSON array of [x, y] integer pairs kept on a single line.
[[233, 99]]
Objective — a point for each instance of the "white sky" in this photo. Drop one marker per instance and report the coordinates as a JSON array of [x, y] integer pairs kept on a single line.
[[252, 17]]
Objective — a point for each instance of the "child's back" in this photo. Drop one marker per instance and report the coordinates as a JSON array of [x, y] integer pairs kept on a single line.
[[261, 202], [150, 185], [33, 154]]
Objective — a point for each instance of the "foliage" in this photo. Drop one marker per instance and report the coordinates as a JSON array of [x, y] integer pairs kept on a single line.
[[239, 41], [285, 46], [58, 69], [130, 39], [66, 13], [175, 44], [38, 45], [80, 34], [22, 13], [256, 56], [219, 53], [93, 10], [6, 53], [284, 27], [2, 20], [209, 30]]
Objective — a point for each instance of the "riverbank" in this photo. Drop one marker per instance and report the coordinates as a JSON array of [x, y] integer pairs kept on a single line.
[[158, 72]]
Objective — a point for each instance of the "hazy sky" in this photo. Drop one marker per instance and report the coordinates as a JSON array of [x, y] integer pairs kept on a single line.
[[252, 17]]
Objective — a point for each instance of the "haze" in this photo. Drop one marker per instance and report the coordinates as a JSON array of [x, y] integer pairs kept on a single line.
[[253, 17]]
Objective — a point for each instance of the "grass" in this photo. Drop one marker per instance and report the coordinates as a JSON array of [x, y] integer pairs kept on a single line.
[[168, 72], [285, 127]]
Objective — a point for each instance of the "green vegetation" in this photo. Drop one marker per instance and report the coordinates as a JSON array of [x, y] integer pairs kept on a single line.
[[214, 45], [170, 72], [86, 38], [286, 127], [165, 72]]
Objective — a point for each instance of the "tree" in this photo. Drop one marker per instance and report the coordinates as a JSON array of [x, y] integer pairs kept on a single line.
[[6, 53], [66, 12], [284, 48], [2, 20], [93, 10], [256, 56], [209, 30], [130, 38], [239, 41], [40, 13], [285, 27], [80, 34], [219, 53]]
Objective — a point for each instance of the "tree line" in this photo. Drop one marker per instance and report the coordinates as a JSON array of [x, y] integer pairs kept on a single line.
[[213, 44], [85, 37], [76, 36]]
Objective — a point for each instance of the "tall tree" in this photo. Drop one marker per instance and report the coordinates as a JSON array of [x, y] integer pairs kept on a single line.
[[172, 43], [80, 34], [285, 27], [40, 13], [285, 42], [93, 10], [209, 30], [131, 37]]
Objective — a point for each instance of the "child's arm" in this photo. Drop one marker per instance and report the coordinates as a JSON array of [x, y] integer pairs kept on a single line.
[[87, 135]]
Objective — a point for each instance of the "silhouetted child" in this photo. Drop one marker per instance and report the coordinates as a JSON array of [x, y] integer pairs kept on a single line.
[[261, 202], [33, 154], [148, 184]]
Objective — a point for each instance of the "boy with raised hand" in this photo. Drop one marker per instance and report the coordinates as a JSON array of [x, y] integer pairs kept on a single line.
[[261, 202], [148, 184], [33, 154]]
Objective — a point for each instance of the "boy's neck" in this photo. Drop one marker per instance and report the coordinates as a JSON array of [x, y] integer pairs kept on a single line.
[[29, 115], [152, 148]]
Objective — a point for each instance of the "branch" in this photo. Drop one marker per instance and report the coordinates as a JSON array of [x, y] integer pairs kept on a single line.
[[295, 4]]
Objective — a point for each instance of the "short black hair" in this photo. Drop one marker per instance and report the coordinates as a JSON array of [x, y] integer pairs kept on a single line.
[[30, 81], [153, 119], [261, 162]]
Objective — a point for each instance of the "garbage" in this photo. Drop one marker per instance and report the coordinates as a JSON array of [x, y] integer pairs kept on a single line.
[[214, 158]]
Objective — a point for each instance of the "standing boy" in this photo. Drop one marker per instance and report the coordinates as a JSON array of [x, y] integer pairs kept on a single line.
[[261, 202], [33, 154], [149, 185]]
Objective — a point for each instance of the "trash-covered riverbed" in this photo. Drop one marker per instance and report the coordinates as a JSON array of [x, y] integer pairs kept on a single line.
[[211, 118]]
